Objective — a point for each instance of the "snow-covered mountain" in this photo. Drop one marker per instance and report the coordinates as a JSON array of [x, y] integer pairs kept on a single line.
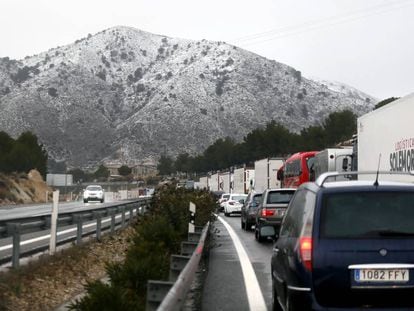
[[125, 93]]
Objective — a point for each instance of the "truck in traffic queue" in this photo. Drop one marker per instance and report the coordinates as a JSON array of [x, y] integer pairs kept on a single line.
[[386, 139], [202, 183], [224, 181], [331, 160], [243, 180], [213, 182], [265, 172]]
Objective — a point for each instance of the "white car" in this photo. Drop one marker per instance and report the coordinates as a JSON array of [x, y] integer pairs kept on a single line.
[[224, 197], [93, 193], [234, 204]]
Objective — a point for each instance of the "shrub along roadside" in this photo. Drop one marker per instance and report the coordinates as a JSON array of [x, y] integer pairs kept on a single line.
[[157, 236]]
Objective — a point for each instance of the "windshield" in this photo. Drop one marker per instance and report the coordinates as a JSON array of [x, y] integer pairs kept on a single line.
[[94, 188], [310, 162], [368, 215]]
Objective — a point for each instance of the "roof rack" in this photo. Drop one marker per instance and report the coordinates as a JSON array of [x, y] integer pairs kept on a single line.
[[323, 177]]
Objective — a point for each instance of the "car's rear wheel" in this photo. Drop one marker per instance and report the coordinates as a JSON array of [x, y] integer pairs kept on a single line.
[[257, 234], [293, 304]]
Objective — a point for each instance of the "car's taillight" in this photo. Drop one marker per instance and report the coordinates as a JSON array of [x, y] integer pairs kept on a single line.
[[267, 212], [306, 252]]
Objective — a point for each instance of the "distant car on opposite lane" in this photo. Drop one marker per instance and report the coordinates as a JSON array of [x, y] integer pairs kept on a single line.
[[93, 193]]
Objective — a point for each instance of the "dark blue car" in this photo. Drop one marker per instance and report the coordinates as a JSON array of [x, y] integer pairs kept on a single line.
[[346, 245]]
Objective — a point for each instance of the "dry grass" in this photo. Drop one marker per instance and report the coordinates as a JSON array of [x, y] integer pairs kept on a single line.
[[46, 283]]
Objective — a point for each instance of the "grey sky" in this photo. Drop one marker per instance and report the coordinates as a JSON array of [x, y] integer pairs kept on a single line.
[[367, 44]]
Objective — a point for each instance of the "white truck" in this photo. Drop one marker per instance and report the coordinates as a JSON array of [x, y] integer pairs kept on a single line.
[[243, 180], [224, 180], [202, 183], [387, 132], [213, 182], [265, 173], [332, 160]]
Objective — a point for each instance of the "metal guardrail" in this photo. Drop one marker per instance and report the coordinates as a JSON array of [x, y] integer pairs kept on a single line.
[[16, 227], [170, 295]]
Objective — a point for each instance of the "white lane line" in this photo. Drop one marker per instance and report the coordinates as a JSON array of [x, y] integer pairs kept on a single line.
[[254, 293], [47, 236]]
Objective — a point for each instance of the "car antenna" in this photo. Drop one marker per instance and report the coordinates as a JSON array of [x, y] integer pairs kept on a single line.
[[376, 179]]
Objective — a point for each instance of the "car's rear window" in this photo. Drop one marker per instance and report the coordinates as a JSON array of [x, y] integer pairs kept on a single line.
[[239, 197], [279, 197], [368, 215]]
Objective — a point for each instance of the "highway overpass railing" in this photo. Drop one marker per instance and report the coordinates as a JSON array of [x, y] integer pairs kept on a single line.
[[115, 215]]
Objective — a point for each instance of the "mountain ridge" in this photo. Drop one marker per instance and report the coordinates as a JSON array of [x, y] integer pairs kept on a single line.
[[128, 94]]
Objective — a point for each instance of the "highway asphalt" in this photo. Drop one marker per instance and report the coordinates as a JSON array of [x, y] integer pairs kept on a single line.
[[229, 284]]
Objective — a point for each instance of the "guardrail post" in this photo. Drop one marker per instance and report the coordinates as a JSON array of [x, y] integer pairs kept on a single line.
[[112, 212], [194, 236], [98, 216], [79, 222], [14, 230], [122, 216], [156, 291], [177, 264], [188, 248], [131, 214]]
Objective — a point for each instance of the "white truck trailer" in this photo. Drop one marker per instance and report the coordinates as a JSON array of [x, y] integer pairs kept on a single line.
[[213, 182], [265, 173], [224, 181], [243, 179], [202, 183], [332, 160], [387, 132]]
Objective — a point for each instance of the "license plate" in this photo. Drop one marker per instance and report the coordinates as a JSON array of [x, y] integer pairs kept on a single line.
[[381, 275]]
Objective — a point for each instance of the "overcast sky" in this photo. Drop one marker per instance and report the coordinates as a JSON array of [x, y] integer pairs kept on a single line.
[[367, 44]]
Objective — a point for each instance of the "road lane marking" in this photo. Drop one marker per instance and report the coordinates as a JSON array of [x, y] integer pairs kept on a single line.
[[47, 236], [254, 293]]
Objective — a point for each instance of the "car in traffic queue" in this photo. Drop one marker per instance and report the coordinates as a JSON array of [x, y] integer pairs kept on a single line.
[[234, 204], [271, 211], [249, 209], [224, 197], [93, 193], [346, 245]]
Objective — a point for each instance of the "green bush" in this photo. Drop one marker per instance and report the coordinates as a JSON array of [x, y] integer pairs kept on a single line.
[[157, 236]]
